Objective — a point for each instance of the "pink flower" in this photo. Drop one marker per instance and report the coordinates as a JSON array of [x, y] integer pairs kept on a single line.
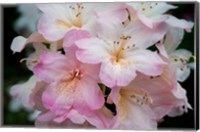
[[24, 92], [147, 99], [58, 19], [73, 86], [121, 52], [178, 58], [152, 14]]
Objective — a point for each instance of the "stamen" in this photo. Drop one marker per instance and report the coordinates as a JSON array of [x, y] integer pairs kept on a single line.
[[29, 59], [78, 14], [138, 96]]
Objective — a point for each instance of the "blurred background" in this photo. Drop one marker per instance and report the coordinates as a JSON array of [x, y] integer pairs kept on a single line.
[[15, 72]]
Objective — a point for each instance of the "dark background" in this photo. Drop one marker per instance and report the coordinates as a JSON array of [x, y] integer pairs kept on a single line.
[[15, 72]]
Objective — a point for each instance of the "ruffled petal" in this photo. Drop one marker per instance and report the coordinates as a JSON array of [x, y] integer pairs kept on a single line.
[[120, 74], [52, 66], [74, 35], [109, 23], [92, 50], [173, 38], [22, 92], [152, 66], [20, 42], [134, 116], [58, 98], [179, 23], [137, 31], [88, 96], [55, 22]]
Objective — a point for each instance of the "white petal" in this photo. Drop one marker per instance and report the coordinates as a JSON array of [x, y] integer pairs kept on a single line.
[[179, 23], [18, 44], [182, 73], [173, 38], [23, 91]]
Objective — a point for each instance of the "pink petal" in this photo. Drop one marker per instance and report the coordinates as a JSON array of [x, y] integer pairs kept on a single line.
[[101, 119], [151, 23], [109, 23], [133, 116], [46, 116], [74, 35], [116, 74], [76, 117], [51, 31], [152, 66], [92, 50], [162, 49], [88, 96], [137, 30], [52, 25], [58, 98], [52, 66]]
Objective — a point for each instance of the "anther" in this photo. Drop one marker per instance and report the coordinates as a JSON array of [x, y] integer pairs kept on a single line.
[[151, 77], [175, 59], [78, 14]]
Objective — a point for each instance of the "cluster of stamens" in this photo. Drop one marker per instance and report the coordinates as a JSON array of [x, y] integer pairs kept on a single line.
[[183, 60], [75, 74], [141, 97], [124, 39], [78, 7]]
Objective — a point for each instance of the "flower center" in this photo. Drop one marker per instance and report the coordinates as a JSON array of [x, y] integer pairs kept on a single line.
[[76, 73], [77, 10], [67, 84], [138, 96], [120, 47]]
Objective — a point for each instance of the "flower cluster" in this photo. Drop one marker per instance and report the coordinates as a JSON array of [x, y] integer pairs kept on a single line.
[[105, 65]]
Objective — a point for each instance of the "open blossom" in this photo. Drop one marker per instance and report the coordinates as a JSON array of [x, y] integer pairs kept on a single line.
[[152, 15], [97, 66], [58, 19], [179, 58], [141, 105], [72, 86], [120, 54]]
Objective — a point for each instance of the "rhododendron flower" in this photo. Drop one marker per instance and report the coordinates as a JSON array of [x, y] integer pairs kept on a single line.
[[72, 85], [141, 105], [152, 15], [58, 19], [120, 55], [97, 66], [179, 58]]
